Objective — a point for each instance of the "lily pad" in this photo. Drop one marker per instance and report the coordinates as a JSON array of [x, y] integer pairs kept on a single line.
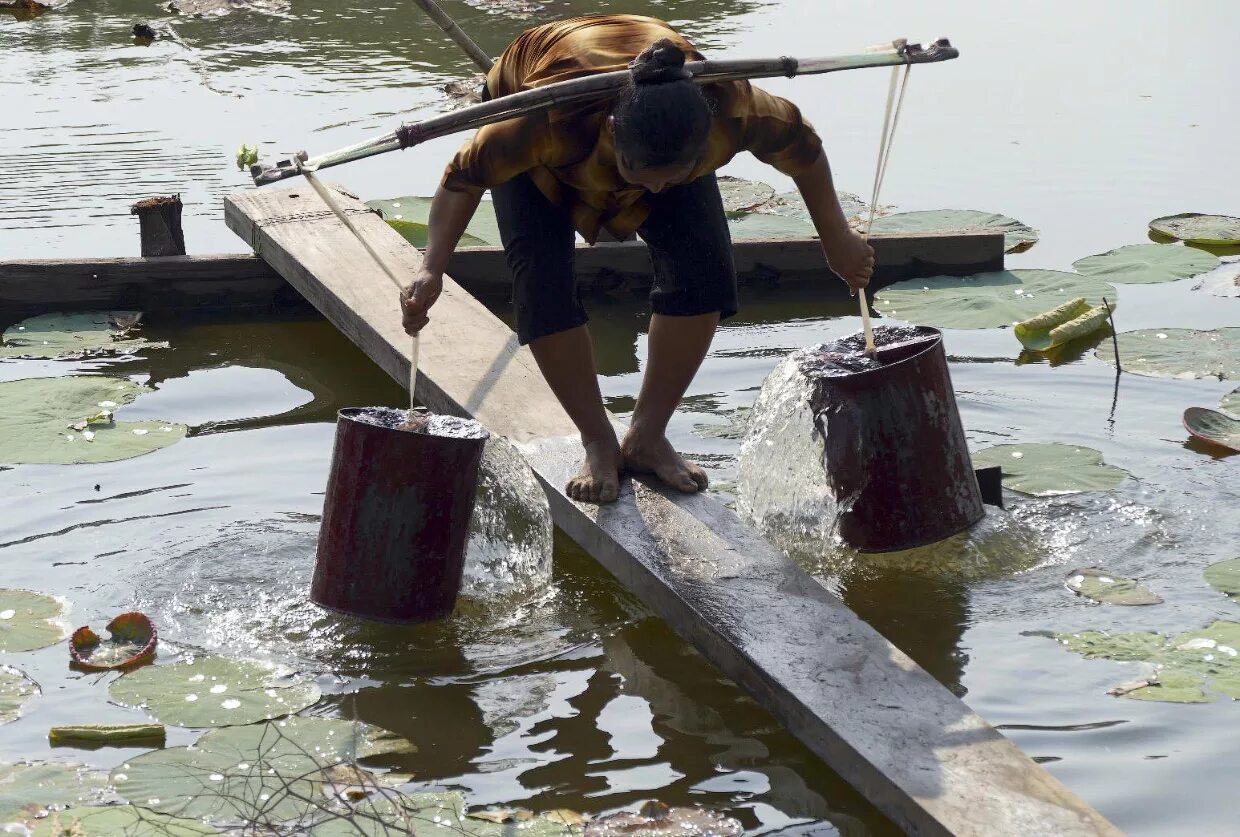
[[1213, 427], [1070, 321], [215, 692], [1225, 576], [69, 420], [16, 689], [1231, 402], [29, 621], [273, 772], [758, 225], [1196, 228], [1017, 237], [443, 815], [1146, 264], [28, 788], [986, 300], [1179, 353], [1108, 588], [126, 820], [410, 215], [1223, 281], [741, 196], [1048, 469], [131, 642], [88, 334], [792, 205], [1188, 667], [657, 818]]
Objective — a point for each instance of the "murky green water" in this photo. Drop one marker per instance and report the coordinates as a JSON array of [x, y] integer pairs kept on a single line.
[[1083, 122]]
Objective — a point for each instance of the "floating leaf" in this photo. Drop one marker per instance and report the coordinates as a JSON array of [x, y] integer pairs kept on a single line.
[[29, 621], [1017, 237], [1199, 229], [131, 642], [1108, 588], [1223, 281], [1179, 353], [1231, 402], [1225, 576], [1070, 321], [1047, 469], [108, 735], [64, 421], [78, 335], [1213, 427], [761, 225], [986, 300], [443, 815], [419, 235], [117, 821], [16, 689], [657, 818], [1186, 665], [792, 205], [415, 213], [1146, 264], [268, 772], [741, 195], [28, 788], [214, 692]]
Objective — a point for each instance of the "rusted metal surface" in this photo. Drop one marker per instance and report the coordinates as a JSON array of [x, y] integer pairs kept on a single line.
[[894, 448], [395, 521]]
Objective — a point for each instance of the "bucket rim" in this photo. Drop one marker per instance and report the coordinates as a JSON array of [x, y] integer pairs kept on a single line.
[[921, 340], [349, 415]]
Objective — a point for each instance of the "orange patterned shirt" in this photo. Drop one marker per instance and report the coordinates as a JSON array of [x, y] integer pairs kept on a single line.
[[568, 151]]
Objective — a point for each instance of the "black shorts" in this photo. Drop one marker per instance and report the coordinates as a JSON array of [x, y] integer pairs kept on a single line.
[[686, 231]]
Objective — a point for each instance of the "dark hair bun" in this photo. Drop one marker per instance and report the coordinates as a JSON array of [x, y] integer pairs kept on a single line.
[[660, 62]]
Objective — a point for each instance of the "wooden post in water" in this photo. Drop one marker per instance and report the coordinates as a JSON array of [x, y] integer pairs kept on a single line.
[[159, 220]]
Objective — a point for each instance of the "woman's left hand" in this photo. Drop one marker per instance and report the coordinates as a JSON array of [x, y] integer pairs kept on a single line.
[[852, 258]]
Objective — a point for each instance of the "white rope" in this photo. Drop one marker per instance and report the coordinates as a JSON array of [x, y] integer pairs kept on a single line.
[[890, 120], [330, 199]]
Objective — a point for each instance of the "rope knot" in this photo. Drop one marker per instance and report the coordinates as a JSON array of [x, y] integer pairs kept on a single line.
[[789, 65], [410, 134]]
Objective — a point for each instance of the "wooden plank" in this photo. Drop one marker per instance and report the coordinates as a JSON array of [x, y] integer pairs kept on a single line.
[[624, 269], [151, 284], [913, 748], [245, 281]]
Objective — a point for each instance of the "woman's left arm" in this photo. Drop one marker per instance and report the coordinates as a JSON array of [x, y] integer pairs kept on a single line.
[[847, 252]]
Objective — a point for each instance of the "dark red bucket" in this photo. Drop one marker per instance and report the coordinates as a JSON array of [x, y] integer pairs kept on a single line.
[[396, 518], [894, 449]]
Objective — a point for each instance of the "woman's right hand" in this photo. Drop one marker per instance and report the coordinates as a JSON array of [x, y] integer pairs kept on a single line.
[[417, 299]]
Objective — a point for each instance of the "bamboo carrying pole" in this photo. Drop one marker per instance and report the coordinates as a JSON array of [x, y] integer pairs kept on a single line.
[[325, 193], [595, 87], [456, 33]]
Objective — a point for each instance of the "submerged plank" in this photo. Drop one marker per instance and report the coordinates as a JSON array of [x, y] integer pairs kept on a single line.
[[244, 281], [906, 742]]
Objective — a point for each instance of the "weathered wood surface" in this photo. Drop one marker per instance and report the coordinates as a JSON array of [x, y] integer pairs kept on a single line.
[[159, 221], [156, 284], [244, 281], [914, 749]]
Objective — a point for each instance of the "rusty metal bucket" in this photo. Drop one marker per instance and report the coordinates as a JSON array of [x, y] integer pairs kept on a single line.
[[395, 520], [894, 449]]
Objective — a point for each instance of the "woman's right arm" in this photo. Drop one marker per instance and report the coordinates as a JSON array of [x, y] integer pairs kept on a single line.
[[450, 214]]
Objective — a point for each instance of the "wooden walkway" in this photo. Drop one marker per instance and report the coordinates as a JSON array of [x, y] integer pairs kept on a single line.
[[909, 745], [239, 281]]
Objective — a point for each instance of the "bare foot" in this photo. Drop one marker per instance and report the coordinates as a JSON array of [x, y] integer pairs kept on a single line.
[[643, 455], [599, 479]]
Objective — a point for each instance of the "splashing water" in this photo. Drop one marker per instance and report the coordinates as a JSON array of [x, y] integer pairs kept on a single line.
[[510, 536], [783, 490]]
